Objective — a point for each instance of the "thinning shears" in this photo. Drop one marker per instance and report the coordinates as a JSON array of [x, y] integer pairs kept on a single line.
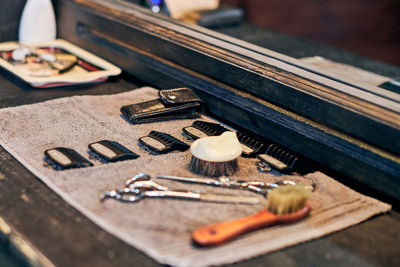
[[254, 186], [141, 186]]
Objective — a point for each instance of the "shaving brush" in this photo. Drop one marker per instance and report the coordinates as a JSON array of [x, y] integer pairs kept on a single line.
[[215, 156]]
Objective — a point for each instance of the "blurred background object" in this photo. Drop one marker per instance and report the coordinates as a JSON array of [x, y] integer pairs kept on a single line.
[[177, 8], [157, 6], [38, 22], [369, 28], [222, 16]]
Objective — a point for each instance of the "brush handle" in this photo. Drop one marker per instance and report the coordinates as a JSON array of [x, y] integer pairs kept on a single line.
[[219, 233]]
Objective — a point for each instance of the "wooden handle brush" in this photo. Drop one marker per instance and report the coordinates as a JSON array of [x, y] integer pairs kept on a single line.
[[286, 204]]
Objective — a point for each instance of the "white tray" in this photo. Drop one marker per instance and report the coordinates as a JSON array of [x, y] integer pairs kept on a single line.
[[71, 77]]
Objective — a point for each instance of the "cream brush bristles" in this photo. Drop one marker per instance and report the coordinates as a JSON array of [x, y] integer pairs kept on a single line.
[[287, 199]]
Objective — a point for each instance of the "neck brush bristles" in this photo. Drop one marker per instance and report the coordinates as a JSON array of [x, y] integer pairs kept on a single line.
[[287, 199]]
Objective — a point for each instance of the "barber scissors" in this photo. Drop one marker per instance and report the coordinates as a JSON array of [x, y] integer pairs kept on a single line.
[[254, 186], [141, 186]]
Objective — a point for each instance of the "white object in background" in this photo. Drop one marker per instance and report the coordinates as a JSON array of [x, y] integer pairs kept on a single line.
[[38, 22], [177, 8]]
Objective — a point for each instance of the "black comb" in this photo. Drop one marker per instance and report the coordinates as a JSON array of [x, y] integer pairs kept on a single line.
[[110, 151], [280, 158], [251, 145], [200, 129], [162, 143], [61, 158]]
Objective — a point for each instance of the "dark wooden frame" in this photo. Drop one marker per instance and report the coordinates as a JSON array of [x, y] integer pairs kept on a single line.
[[349, 128], [366, 113]]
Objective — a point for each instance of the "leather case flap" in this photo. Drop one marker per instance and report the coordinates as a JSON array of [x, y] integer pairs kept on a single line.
[[178, 96]]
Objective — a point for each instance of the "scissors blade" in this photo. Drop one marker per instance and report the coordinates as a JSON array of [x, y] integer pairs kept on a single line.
[[203, 197], [208, 181]]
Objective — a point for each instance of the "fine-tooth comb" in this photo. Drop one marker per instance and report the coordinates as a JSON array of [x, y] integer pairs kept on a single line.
[[251, 145], [203, 129], [161, 143]]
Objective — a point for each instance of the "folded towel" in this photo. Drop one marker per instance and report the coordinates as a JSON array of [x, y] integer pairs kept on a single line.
[[161, 227]]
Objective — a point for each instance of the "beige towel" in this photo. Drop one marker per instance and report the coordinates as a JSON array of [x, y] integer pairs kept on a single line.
[[161, 227]]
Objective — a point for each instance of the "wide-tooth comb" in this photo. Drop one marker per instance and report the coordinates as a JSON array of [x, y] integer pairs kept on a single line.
[[283, 160], [110, 151], [200, 129], [251, 144]]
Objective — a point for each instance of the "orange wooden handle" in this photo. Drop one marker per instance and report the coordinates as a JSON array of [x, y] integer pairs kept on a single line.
[[219, 233]]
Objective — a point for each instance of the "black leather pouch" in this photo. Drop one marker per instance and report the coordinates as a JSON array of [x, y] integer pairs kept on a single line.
[[179, 103]]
